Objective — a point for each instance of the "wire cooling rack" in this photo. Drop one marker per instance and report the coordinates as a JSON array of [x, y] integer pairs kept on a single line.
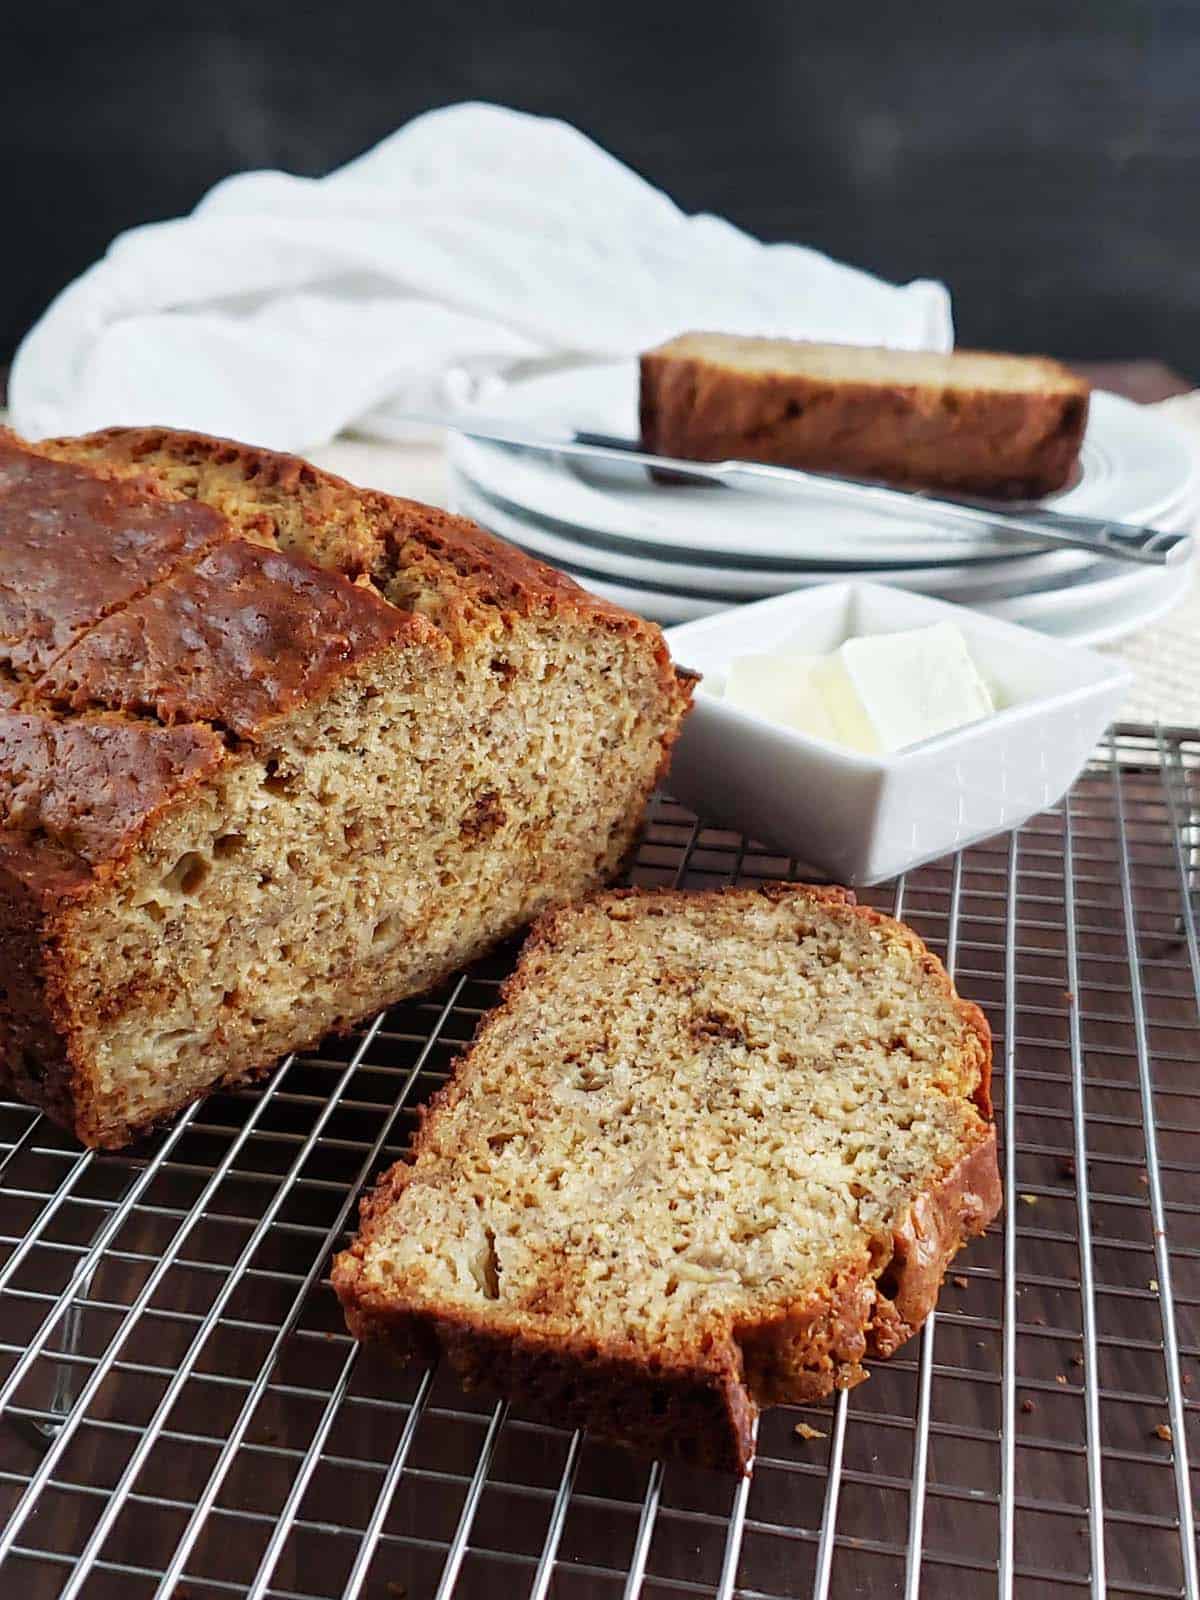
[[183, 1413]]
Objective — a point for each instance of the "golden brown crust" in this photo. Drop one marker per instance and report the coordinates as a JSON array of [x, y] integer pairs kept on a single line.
[[411, 551], [134, 615], [704, 1412], [145, 631], [91, 785], [39, 882], [298, 504], [238, 640], [379, 532], [76, 545], [797, 1355], [973, 440], [960, 1208]]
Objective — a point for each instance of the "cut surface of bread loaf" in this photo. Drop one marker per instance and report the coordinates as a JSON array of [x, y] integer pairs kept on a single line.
[[276, 752], [709, 1152], [971, 421]]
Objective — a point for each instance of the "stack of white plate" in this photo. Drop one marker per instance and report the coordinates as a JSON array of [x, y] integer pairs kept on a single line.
[[677, 552]]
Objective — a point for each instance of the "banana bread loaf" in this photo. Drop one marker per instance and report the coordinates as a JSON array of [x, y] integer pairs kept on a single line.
[[972, 422], [276, 752], [709, 1152]]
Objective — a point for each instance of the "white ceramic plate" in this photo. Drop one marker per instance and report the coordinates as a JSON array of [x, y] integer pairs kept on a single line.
[[1092, 624], [1087, 601], [657, 604], [1085, 622], [1134, 467], [563, 545], [966, 583]]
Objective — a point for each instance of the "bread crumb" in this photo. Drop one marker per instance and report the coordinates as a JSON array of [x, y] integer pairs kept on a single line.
[[961, 1281], [1068, 1169], [1187, 1380], [1076, 1361], [1029, 1199], [1163, 1432], [1154, 1285], [803, 1431], [1060, 1377], [1144, 1178], [1027, 1406]]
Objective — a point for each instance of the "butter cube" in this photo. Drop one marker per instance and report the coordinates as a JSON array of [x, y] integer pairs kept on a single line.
[[886, 691], [876, 694], [782, 689]]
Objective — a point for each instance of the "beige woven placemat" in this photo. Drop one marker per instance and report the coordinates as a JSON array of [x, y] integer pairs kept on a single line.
[[1166, 655]]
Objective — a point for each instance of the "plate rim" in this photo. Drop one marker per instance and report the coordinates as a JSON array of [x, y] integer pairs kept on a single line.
[[1115, 626], [506, 520]]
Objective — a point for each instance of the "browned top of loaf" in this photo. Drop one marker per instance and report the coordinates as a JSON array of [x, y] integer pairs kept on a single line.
[[161, 592], [238, 640], [410, 548], [75, 544], [871, 365]]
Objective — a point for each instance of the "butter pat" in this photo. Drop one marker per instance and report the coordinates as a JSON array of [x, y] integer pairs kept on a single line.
[[876, 694], [885, 691], [782, 689]]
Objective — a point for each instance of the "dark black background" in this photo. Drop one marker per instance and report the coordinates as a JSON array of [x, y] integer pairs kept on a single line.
[[1042, 158]]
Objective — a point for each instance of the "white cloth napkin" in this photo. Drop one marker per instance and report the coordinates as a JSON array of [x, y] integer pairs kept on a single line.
[[286, 310]]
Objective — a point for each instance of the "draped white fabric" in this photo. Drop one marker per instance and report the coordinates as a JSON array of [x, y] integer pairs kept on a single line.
[[474, 240]]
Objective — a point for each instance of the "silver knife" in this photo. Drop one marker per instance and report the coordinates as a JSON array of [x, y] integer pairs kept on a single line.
[[1120, 541]]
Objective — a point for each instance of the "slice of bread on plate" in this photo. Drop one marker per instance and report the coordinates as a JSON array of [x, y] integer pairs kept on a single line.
[[708, 1153], [970, 422]]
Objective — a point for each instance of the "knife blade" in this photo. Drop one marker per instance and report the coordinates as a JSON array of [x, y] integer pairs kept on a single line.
[[1117, 541]]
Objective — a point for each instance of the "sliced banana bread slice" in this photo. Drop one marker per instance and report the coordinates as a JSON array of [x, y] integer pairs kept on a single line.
[[709, 1152], [973, 421]]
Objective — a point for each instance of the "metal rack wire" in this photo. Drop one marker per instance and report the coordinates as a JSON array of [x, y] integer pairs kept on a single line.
[[183, 1413]]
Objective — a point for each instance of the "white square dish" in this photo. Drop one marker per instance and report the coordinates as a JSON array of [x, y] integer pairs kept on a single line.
[[864, 818]]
